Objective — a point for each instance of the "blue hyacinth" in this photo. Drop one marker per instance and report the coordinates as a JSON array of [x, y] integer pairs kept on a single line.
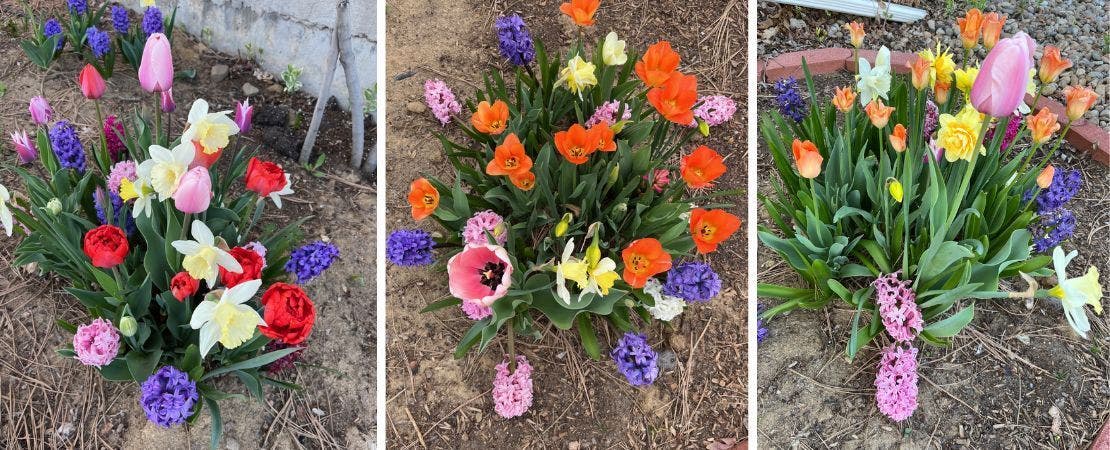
[[514, 40], [789, 99], [410, 248], [1051, 229], [310, 261], [168, 397], [1065, 184], [67, 146], [98, 41], [78, 6], [635, 359], [152, 21], [693, 282], [121, 22], [54, 28]]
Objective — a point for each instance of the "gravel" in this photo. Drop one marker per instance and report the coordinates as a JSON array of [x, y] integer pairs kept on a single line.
[[1078, 27]]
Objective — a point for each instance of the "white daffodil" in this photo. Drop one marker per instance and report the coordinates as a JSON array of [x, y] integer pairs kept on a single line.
[[666, 307], [5, 213], [287, 190], [1075, 293], [165, 167], [140, 191], [569, 268], [203, 258], [212, 131], [874, 82], [227, 320], [612, 50]]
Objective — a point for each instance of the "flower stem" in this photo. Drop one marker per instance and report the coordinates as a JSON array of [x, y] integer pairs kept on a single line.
[[512, 345]]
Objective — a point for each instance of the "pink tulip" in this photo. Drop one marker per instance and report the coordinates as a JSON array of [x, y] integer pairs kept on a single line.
[[40, 110], [24, 147], [168, 105], [194, 191], [244, 113], [156, 67], [1003, 77], [480, 274], [92, 84]]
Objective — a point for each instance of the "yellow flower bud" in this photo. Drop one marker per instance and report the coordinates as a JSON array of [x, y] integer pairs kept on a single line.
[[563, 225], [895, 188]]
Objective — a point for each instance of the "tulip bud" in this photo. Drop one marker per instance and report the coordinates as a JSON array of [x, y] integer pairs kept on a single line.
[[619, 210], [24, 147], [194, 191], [1044, 180], [244, 114], [40, 110], [168, 105], [895, 188], [614, 174], [156, 66], [54, 206], [128, 326], [91, 83], [563, 225]]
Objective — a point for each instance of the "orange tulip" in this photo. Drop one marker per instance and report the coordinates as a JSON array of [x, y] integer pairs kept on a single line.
[[942, 90], [643, 259], [878, 113], [992, 29], [1052, 64], [423, 197], [1042, 125], [971, 25], [807, 158], [491, 119], [1044, 179], [581, 11], [657, 64], [1079, 99], [701, 167], [509, 158], [575, 144], [844, 99], [919, 71], [710, 228], [603, 135], [898, 138], [675, 99], [856, 31], [524, 181]]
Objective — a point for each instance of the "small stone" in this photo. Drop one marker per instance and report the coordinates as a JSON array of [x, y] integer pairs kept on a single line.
[[232, 444], [274, 89], [219, 73], [416, 107], [797, 24], [249, 89]]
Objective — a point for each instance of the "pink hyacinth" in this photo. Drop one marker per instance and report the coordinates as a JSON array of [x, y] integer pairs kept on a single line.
[[476, 311], [96, 344], [113, 137], [607, 112], [898, 307], [476, 227], [715, 110], [512, 393], [120, 171], [660, 180], [441, 100], [896, 382]]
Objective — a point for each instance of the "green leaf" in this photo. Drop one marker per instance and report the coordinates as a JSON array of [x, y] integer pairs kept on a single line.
[[117, 371], [142, 364], [951, 325], [589, 338], [257, 361], [440, 304]]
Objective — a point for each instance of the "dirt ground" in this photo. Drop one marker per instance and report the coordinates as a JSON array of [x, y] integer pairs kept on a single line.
[[436, 401], [47, 401], [995, 387]]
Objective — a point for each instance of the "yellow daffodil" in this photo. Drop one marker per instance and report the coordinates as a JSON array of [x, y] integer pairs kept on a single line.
[[165, 167], [895, 188], [203, 258], [569, 268], [941, 65], [1075, 293], [578, 75], [140, 191], [227, 320], [212, 131], [6, 214], [602, 271], [965, 78], [959, 134], [612, 50]]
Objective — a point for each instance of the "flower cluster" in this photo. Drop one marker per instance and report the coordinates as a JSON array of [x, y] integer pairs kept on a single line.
[[311, 260], [896, 382], [410, 248], [1055, 223], [152, 21], [97, 343], [512, 392], [441, 100], [121, 22], [67, 146], [514, 40], [98, 41], [693, 282], [635, 359], [898, 307], [715, 110], [168, 397], [789, 99]]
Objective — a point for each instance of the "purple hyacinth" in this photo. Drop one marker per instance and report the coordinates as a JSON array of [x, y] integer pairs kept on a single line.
[[514, 40], [932, 118], [78, 6], [118, 218], [898, 307], [1051, 229], [310, 261], [635, 359], [1011, 132], [410, 248], [121, 22], [789, 99], [98, 41], [896, 382], [693, 282], [152, 20], [1065, 184], [168, 397], [67, 146], [285, 362], [54, 28], [761, 331], [113, 137]]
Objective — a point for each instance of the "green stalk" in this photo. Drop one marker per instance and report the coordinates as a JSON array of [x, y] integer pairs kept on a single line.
[[103, 159], [959, 198], [512, 345]]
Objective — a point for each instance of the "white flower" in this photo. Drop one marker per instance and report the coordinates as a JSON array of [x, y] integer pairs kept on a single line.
[[203, 258], [5, 213], [165, 167], [612, 50], [874, 82], [227, 320], [1076, 293], [666, 307], [140, 191], [287, 190], [568, 268], [211, 130]]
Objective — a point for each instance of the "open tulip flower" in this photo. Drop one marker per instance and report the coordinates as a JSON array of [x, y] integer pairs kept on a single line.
[[928, 205], [565, 202]]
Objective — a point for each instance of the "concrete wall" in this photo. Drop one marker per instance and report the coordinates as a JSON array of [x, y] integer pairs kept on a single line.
[[289, 32]]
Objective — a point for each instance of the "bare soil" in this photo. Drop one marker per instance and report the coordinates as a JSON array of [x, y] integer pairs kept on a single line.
[[436, 401], [995, 387], [47, 401]]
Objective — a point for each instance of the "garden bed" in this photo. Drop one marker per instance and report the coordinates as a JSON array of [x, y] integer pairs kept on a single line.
[[54, 402], [435, 400]]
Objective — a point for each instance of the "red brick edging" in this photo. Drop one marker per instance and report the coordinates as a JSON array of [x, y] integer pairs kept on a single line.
[[1085, 136]]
